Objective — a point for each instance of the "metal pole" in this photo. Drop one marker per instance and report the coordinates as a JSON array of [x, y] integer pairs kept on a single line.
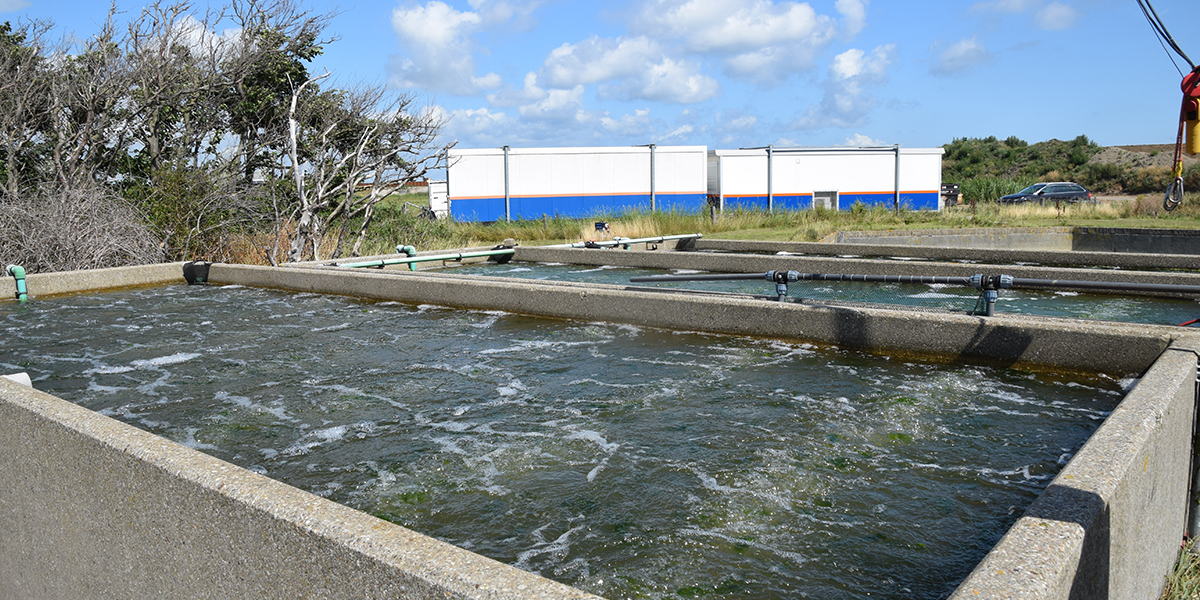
[[770, 181], [652, 204], [896, 196], [506, 197]]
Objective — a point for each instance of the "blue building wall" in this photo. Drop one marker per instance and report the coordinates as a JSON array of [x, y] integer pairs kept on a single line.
[[909, 200], [576, 206]]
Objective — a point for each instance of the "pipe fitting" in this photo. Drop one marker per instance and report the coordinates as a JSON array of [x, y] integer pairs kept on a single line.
[[409, 251], [18, 272]]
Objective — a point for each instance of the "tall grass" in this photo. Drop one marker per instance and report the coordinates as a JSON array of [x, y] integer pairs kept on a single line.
[[990, 189], [394, 226], [1184, 582]]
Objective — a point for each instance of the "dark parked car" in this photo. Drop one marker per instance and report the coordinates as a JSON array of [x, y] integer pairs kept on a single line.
[[1049, 192]]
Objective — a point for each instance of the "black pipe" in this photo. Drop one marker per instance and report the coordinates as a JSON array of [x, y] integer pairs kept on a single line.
[[977, 282], [795, 276], [1169, 288], [702, 277]]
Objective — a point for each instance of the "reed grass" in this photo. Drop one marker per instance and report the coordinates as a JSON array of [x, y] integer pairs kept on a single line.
[[1183, 583]]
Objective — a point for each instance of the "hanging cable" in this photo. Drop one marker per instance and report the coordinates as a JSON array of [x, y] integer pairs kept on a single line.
[[1191, 100], [1160, 29]]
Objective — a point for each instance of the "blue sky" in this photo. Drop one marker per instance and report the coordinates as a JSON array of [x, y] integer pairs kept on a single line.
[[739, 73]]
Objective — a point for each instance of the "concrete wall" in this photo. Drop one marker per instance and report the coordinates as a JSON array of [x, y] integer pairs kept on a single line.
[[1110, 524], [93, 508], [1117, 239], [49, 284], [1018, 238], [1068, 258], [1088, 239], [1009, 340], [748, 263]]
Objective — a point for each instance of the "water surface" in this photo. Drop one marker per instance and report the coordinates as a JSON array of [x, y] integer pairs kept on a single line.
[[629, 462]]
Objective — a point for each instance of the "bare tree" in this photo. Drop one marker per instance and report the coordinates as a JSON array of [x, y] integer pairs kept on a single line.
[[355, 139], [23, 103], [84, 227]]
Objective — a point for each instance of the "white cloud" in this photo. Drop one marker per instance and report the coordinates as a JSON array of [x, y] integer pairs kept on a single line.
[[558, 106], [1056, 16], [756, 40], [846, 101], [636, 124], [859, 140], [854, 15], [438, 39], [680, 131], [598, 59], [961, 56], [513, 97], [631, 68], [516, 15], [743, 122], [1005, 6], [12, 5]]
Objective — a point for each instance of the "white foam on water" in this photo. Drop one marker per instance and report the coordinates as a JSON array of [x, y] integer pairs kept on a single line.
[[315, 438], [279, 412], [1128, 383], [600, 268], [591, 476], [105, 389], [162, 361], [936, 296], [528, 345], [558, 548], [332, 328], [190, 440], [588, 435], [590, 381], [792, 556], [518, 270], [632, 330], [685, 271], [1066, 293]]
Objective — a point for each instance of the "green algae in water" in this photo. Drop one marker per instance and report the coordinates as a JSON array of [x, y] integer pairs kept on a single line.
[[626, 461]]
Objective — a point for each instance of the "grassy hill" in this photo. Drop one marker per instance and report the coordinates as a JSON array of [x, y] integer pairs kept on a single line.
[[987, 168]]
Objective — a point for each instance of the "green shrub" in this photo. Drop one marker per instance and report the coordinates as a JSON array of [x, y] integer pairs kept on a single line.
[[989, 189]]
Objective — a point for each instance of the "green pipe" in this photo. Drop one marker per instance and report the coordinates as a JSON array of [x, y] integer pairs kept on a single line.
[[18, 273], [409, 251], [416, 259]]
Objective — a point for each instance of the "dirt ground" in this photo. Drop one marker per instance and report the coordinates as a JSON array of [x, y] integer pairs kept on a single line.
[[1145, 155]]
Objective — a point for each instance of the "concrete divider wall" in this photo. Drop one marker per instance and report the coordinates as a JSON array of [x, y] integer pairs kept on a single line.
[[1027, 238], [749, 263], [1121, 239], [1110, 524], [93, 508], [996, 256], [49, 284], [1011, 340]]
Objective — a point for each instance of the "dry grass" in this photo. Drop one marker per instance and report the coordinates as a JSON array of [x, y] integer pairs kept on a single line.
[[1184, 582]]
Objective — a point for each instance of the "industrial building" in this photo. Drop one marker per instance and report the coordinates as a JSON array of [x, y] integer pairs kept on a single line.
[[525, 183], [834, 178]]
